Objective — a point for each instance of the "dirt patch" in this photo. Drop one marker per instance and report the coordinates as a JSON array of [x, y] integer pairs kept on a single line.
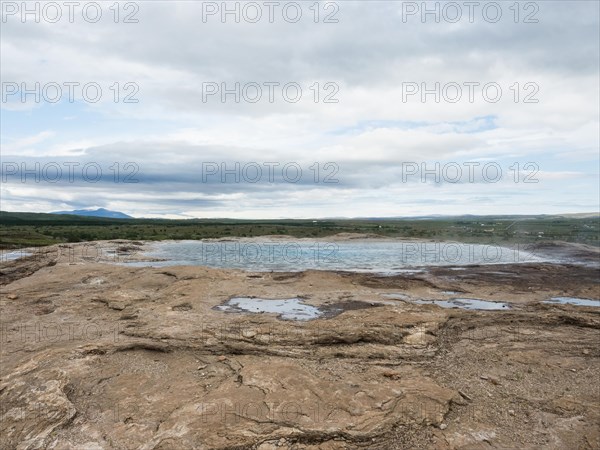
[[336, 309], [182, 307]]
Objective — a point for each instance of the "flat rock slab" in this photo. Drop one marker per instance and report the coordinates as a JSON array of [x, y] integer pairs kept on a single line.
[[98, 356]]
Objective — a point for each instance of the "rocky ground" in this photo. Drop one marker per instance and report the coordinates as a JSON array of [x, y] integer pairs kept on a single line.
[[103, 356]]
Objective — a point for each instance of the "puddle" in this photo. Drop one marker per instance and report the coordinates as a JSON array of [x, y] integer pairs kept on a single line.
[[290, 308], [461, 303], [573, 301], [466, 303], [287, 309], [398, 296], [13, 255]]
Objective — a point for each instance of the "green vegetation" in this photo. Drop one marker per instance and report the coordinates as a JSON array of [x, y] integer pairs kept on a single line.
[[31, 229]]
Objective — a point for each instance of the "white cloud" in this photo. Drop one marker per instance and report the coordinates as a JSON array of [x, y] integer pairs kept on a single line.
[[369, 133]]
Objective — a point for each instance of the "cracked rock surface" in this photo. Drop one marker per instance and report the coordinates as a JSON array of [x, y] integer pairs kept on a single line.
[[102, 356]]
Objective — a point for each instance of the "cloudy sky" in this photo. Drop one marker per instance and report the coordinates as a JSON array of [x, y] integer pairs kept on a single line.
[[301, 109]]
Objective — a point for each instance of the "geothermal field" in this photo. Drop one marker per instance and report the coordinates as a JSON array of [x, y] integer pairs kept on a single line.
[[105, 345]]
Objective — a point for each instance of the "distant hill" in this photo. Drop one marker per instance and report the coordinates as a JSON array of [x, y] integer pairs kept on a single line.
[[100, 212]]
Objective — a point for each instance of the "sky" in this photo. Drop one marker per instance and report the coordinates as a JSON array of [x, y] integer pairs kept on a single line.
[[306, 109]]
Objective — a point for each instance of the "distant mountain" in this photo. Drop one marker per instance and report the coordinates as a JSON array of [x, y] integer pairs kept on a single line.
[[100, 212]]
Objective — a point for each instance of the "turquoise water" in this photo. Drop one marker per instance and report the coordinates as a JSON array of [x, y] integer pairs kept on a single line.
[[357, 256]]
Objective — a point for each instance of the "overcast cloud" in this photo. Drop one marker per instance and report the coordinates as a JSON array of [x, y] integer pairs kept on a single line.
[[533, 148]]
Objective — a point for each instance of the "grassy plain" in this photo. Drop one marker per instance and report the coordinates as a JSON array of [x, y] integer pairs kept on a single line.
[[33, 229]]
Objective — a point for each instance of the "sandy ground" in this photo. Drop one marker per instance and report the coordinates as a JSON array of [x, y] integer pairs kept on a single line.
[[102, 356]]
